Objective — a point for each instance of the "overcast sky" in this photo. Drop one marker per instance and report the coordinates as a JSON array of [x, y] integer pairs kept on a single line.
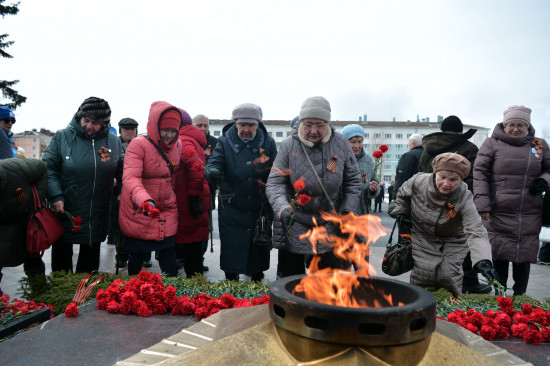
[[386, 59]]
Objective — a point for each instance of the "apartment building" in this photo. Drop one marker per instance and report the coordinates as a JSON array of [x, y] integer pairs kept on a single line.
[[33, 142]]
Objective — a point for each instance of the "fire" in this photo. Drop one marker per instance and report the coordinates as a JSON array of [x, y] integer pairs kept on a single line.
[[352, 244]]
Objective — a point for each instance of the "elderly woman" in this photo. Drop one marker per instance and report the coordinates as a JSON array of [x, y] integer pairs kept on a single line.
[[445, 223], [240, 164], [322, 158], [369, 187], [510, 172], [148, 212], [83, 161]]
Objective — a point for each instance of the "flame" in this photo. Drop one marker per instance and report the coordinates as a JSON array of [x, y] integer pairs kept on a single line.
[[351, 244]]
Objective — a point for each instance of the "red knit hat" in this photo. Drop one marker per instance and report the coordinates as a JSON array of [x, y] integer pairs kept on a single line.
[[170, 119]]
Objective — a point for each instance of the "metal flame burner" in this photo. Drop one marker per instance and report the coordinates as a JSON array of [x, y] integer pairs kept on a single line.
[[382, 326]]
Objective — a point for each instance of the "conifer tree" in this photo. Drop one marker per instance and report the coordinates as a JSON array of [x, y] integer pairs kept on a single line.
[[10, 97]]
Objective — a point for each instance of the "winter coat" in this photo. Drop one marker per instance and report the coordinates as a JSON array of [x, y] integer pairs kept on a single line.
[[15, 209], [407, 166], [343, 185], [440, 244], [147, 176], [241, 193], [366, 169], [380, 197], [83, 179], [504, 170], [441, 142], [7, 145], [210, 146], [190, 180]]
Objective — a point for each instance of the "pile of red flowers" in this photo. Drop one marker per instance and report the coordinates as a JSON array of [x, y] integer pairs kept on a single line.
[[531, 324], [19, 307], [147, 295]]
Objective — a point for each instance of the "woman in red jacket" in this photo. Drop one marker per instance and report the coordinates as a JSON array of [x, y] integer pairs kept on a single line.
[[148, 213], [193, 197]]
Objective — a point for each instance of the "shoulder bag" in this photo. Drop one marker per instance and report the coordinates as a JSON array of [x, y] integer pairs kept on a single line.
[[398, 258], [43, 228], [263, 231]]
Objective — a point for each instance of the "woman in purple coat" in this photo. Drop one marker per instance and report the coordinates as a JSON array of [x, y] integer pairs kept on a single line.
[[511, 171]]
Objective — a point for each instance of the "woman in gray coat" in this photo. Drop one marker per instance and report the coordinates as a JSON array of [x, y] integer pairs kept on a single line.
[[510, 172], [445, 224], [336, 167]]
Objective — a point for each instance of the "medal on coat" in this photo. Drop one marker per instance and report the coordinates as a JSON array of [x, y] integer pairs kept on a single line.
[[534, 151]]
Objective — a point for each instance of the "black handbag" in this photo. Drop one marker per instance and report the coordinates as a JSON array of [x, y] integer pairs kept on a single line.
[[263, 231], [398, 258]]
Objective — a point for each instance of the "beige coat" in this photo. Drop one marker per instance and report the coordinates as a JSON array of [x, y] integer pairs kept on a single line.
[[440, 244]]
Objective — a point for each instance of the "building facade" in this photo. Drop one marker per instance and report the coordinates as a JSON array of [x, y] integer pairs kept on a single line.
[[33, 142], [393, 134]]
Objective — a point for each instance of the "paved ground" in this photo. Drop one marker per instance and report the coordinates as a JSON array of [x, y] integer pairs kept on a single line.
[[539, 286]]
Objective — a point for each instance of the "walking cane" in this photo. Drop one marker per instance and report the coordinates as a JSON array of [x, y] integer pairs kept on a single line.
[[211, 229], [117, 259]]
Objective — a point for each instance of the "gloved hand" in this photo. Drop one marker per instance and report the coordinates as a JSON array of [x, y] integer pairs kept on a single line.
[[538, 186], [286, 216], [195, 206], [485, 267], [405, 224], [214, 178]]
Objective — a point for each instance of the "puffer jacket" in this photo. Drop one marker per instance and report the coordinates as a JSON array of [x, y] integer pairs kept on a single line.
[[15, 207], [242, 191], [7, 145], [440, 242], [441, 142], [190, 180], [83, 179], [366, 169], [504, 170], [343, 186], [147, 176]]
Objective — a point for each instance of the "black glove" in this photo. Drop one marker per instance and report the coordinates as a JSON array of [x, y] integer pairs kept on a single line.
[[286, 216], [539, 185], [214, 178], [405, 224], [485, 267], [195, 206]]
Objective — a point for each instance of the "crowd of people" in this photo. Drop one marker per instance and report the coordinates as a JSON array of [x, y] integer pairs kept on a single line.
[[470, 211]]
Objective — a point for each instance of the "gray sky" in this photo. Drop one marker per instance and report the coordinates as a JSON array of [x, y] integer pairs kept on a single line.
[[391, 58]]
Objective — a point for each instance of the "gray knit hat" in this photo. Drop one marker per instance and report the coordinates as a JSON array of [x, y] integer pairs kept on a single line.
[[315, 107], [353, 130], [95, 108], [517, 113], [247, 113]]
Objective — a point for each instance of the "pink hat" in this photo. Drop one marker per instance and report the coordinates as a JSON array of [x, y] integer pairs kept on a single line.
[[517, 113]]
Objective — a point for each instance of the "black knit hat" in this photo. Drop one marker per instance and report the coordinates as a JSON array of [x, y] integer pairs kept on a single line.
[[452, 123], [127, 122], [95, 108]]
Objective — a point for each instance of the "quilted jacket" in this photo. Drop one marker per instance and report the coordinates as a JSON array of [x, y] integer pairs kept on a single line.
[[146, 177], [504, 170], [440, 242], [343, 185]]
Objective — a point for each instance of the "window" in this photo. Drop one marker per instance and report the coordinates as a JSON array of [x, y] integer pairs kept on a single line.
[[388, 135], [399, 135], [376, 135], [279, 134], [270, 133], [387, 167], [34, 155], [367, 135], [216, 133], [34, 147], [399, 146], [33, 140], [397, 156], [387, 178], [409, 135], [367, 146]]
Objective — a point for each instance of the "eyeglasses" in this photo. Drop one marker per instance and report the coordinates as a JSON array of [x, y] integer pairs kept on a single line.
[[316, 126], [519, 126], [9, 120]]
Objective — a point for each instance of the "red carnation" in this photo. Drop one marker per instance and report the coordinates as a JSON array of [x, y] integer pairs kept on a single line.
[[526, 308], [228, 300], [545, 332], [383, 148], [303, 199], [472, 328], [532, 336], [159, 308], [243, 303], [214, 311], [378, 154], [504, 320], [202, 312], [71, 310], [76, 229], [187, 307], [488, 332], [113, 307], [154, 213], [299, 185], [519, 329], [505, 302], [502, 332], [191, 153], [143, 310], [476, 318], [197, 167], [77, 221]]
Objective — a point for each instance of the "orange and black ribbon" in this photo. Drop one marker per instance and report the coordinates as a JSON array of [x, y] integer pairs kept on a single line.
[[263, 156], [450, 211], [208, 150], [83, 292], [364, 177], [104, 152], [332, 165], [20, 195]]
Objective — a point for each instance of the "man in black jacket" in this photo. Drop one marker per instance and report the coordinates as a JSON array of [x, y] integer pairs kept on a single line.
[[203, 123], [408, 164]]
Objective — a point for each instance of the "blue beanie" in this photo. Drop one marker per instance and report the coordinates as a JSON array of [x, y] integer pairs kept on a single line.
[[294, 121], [353, 130], [6, 113]]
